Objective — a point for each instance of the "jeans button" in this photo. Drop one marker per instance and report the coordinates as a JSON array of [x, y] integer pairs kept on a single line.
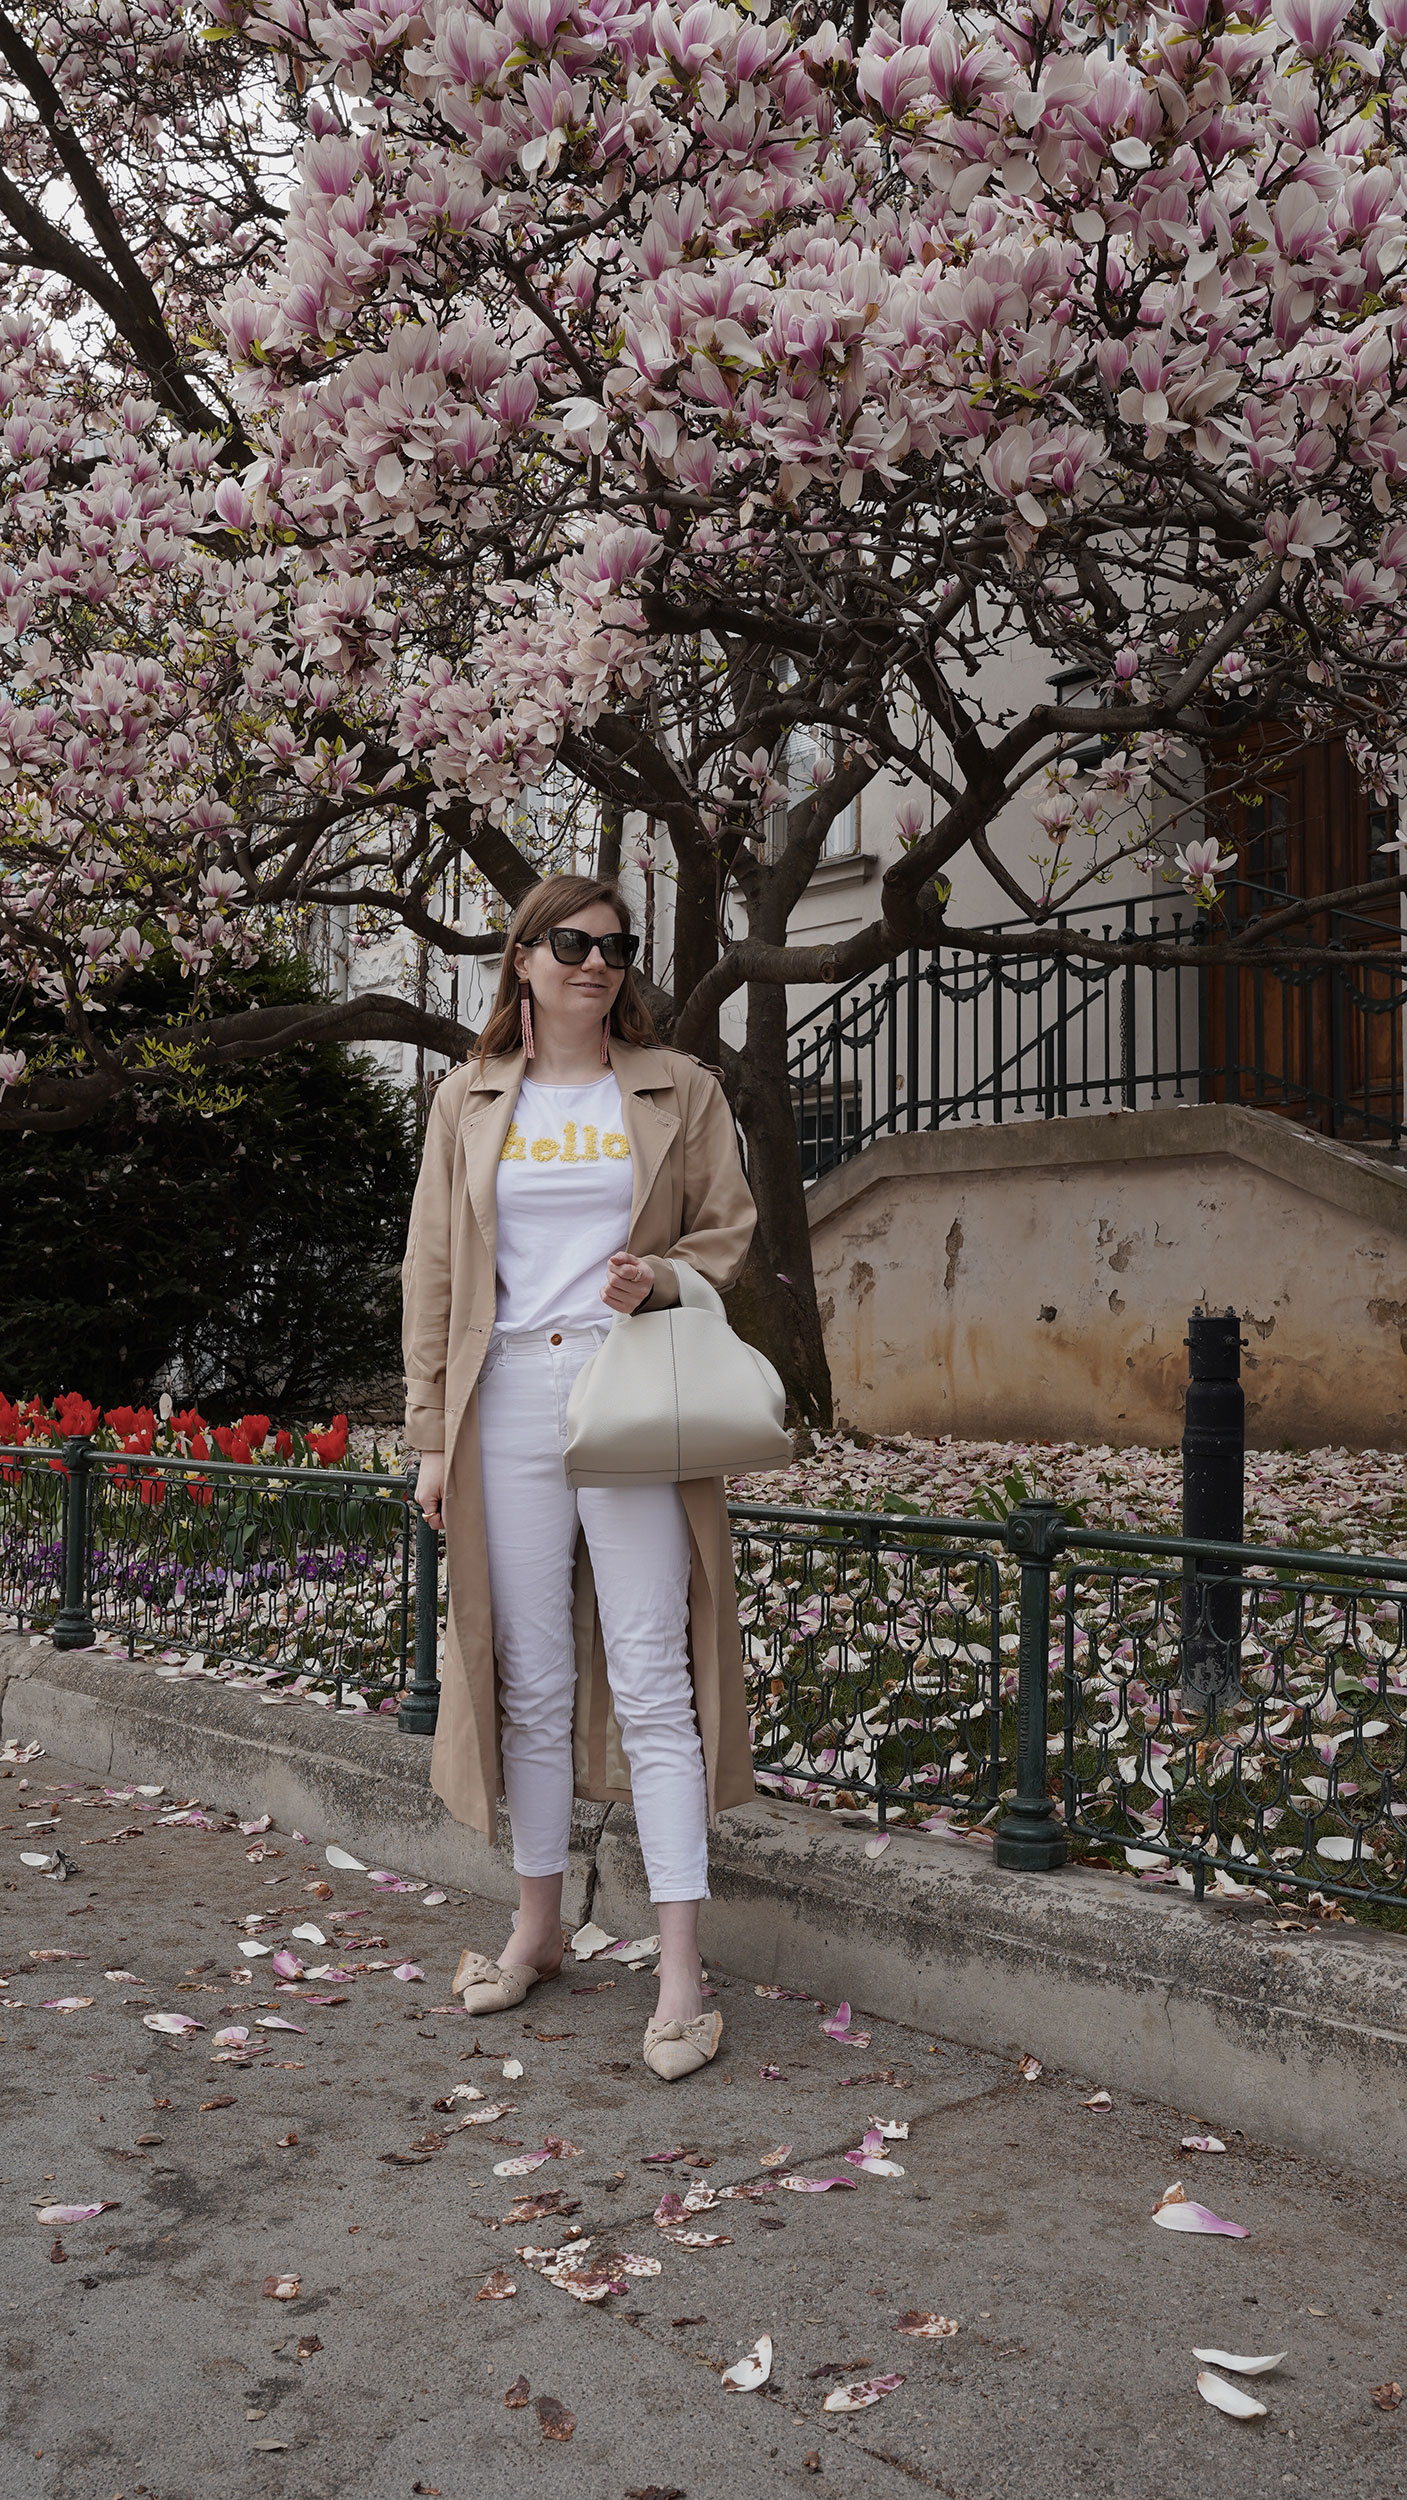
[[554, 1339]]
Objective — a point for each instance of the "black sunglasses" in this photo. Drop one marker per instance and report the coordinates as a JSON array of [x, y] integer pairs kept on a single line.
[[572, 946]]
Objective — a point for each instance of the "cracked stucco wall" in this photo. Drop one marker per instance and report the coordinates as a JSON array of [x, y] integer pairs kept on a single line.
[[1036, 1283]]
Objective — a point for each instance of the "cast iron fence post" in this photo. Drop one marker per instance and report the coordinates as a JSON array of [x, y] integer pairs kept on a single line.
[[1213, 1506], [73, 1626], [421, 1707], [1030, 1836]]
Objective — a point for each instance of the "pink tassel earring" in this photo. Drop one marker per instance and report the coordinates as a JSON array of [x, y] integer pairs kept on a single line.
[[526, 1012], [606, 1043]]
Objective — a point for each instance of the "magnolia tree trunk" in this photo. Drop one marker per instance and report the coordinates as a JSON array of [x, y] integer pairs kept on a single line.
[[773, 1303]]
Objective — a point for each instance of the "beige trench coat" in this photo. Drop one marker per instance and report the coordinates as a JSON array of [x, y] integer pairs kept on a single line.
[[690, 1202]]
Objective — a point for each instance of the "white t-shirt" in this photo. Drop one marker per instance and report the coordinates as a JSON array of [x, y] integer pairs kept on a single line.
[[564, 1189]]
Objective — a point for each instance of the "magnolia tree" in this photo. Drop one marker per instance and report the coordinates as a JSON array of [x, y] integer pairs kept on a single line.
[[414, 401]]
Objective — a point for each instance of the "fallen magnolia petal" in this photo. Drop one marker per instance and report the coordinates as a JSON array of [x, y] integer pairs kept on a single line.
[[925, 2322], [177, 2025], [281, 2286], [837, 2027], [251, 1946], [1031, 2069], [699, 2239], [432, 1900], [517, 2395], [232, 2038], [557, 2422], [774, 2159], [308, 1933], [275, 2022], [343, 1859], [1177, 2212], [754, 2369], [1202, 2144], [1228, 2399], [553, 2202], [1102, 2100], [37, 1857], [262, 1825], [875, 1848], [540, 2259], [407, 1971], [66, 2005], [287, 1965], [641, 2265], [869, 2155], [129, 1975], [512, 2069], [1246, 2364], [591, 1939], [860, 2392], [76, 2213], [890, 2130], [812, 2187], [519, 2166], [497, 2286]]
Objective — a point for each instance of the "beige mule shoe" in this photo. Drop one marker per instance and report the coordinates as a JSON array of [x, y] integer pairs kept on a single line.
[[487, 1988], [674, 2049]]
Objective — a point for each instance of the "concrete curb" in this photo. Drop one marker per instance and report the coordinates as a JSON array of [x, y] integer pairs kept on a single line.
[[355, 1780], [1297, 2039]]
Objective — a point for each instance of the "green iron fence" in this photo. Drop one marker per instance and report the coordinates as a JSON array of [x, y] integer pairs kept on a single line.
[[1232, 1718], [323, 1575]]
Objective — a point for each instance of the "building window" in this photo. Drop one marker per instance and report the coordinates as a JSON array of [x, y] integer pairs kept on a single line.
[[795, 767], [823, 1144]]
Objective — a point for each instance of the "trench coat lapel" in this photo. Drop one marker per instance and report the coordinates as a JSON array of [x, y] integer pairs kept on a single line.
[[484, 1124], [650, 1126]]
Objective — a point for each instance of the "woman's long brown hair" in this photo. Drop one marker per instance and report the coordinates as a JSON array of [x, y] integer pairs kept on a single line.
[[550, 906]]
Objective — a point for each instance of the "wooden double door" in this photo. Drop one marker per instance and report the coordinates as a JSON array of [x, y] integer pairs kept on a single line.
[[1321, 1043]]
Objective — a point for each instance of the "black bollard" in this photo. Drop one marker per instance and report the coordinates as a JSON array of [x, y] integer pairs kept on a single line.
[[1214, 1507]]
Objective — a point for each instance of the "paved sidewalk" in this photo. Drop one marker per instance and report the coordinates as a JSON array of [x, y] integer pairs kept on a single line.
[[145, 2359]]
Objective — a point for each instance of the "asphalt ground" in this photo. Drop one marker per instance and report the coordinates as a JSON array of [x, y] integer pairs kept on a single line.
[[146, 2360]]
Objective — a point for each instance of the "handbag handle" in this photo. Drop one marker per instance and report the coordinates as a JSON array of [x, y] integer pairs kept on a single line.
[[695, 1293]]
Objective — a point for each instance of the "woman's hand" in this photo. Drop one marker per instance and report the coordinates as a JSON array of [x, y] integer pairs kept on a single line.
[[628, 1282], [430, 1486]]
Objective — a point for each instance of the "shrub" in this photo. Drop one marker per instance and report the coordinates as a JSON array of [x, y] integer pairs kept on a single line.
[[248, 1260]]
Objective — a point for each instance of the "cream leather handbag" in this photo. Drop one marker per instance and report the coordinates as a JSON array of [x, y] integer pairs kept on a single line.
[[673, 1395]]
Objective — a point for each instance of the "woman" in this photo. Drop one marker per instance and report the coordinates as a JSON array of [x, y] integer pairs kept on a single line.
[[593, 1644]]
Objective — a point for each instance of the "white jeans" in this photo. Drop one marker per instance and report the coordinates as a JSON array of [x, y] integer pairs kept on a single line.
[[638, 1537]]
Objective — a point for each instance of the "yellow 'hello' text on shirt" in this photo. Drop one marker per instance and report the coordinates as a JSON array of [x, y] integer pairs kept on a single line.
[[614, 1146]]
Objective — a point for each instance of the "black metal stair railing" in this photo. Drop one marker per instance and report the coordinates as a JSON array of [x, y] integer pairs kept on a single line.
[[945, 1038]]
